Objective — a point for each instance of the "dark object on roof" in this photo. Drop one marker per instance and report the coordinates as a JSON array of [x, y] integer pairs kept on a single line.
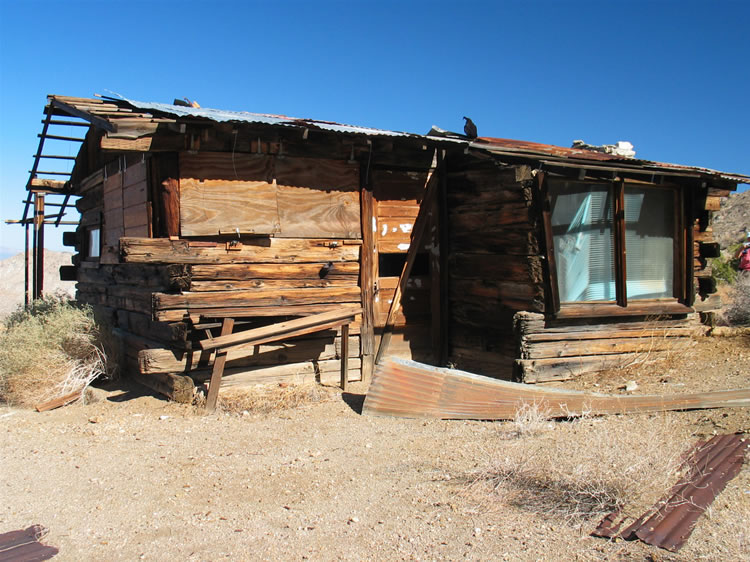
[[470, 128], [413, 390], [24, 545], [711, 465], [185, 102]]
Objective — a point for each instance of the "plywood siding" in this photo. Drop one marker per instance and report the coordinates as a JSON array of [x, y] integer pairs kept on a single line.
[[258, 194]]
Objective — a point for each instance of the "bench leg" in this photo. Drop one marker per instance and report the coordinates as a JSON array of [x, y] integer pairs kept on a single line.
[[344, 356], [218, 370]]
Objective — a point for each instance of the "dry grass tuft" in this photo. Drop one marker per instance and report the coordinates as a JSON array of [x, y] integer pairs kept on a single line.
[[48, 350], [265, 399], [578, 471]]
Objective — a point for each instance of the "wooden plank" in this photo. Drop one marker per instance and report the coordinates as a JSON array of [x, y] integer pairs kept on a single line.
[[135, 216], [616, 331], [177, 315], [236, 167], [620, 264], [602, 346], [58, 402], [218, 369], [713, 203], [307, 271], [212, 206], [136, 194], [553, 300], [257, 297], [135, 174], [264, 250], [283, 329], [325, 372], [566, 368], [227, 285], [318, 173], [634, 308], [311, 213], [318, 346]]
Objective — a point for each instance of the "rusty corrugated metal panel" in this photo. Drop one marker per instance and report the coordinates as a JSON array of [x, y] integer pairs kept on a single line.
[[526, 148], [414, 390], [24, 545], [710, 466]]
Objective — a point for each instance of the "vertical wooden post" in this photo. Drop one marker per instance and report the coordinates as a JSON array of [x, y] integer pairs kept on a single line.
[[40, 243], [218, 370], [26, 292], [344, 356], [620, 250], [444, 275], [367, 275]]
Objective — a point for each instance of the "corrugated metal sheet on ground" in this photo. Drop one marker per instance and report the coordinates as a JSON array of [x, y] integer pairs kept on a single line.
[[24, 546], [414, 390], [710, 466]]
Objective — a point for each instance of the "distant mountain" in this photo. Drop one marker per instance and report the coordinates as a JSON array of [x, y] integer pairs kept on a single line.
[[12, 279], [731, 221]]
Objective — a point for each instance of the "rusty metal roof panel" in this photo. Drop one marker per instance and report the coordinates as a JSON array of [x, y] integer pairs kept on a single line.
[[24, 545], [535, 149], [413, 390], [710, 466]]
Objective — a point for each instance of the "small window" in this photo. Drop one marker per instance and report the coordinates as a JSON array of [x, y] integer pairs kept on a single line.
[[93, 242]]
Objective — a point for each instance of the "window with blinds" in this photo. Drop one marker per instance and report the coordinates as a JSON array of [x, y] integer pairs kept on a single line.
[[584, 231]]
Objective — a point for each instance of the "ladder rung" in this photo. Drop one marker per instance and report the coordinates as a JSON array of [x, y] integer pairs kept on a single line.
[[73, 123], [51, 173], [57, 157], [56, 137], [46, 204]]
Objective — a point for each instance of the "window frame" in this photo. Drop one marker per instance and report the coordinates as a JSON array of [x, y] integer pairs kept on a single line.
[[682, 279]]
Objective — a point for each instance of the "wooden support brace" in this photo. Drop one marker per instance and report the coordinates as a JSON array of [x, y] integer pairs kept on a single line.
[[218, 370]]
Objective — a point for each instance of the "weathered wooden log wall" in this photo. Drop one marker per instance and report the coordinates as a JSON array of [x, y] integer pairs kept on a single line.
[[263, 238], [494, 263], [554, 350]]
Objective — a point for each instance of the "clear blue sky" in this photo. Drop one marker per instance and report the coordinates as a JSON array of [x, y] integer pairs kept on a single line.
[[673, 78]]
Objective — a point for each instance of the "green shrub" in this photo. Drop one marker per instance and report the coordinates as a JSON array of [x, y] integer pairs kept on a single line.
[[726, 268], [47, 350]]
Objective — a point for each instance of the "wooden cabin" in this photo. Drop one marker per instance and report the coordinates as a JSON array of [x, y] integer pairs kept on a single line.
[[514, 253]]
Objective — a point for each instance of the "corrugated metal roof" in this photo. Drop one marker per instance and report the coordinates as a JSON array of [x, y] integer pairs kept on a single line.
[[525, 148], [221, 115], [121, 110]]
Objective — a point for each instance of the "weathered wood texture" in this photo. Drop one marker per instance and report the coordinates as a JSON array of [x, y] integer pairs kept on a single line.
[[494, 260], [260, 194], [557, 350], [253, 250], [125, 206]]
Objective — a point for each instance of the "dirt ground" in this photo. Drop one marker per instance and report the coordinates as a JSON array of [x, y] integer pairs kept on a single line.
[[135, 477]]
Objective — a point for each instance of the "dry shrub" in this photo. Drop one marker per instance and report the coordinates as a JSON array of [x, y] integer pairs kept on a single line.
[[267, 399], [580, 470], [737, 313], [48, 350]]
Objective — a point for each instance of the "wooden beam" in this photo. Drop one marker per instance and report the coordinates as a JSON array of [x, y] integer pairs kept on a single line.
[[86, 116], [292, 328], [218, 370], [344, 356], [553, 299], [367, 276], [621, 276], [420, 224]]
